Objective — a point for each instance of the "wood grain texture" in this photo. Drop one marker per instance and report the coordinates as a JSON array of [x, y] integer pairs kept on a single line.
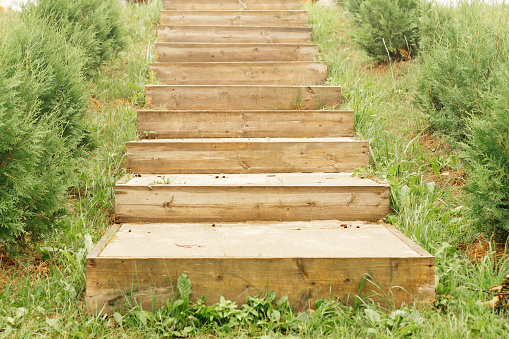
[[237, 198], [239, 155], [285, 265], [232, 97], [245, 124], [270, 18], [241, 73], [232, 52], [237, 34], [232, 5]]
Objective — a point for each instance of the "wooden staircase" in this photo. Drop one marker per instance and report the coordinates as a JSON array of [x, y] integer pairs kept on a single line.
[[243, 181]]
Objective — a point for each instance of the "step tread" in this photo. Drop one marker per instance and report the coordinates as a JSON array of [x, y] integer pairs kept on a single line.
[[338, 180], [287, 18], [232, 4], [241, 97], [238, 73], [259, 34], [312, 239], [247, 124], [245, 140]]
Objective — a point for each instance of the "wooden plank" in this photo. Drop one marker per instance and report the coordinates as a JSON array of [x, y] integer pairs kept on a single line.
[[232, 5], [269, 18], [238, 155], [243, 197], [99, 247], [241, 73], [220, 52], [237, 34], [305, 261], [193, 97], [245, 124]]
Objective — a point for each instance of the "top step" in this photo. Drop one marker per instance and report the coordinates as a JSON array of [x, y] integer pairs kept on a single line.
[[235, 18], [232, 4]]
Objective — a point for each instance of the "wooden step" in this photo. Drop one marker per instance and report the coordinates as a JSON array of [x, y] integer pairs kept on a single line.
[[232, 97], [232, 4], [243, 34], [246, 155], [241, 73], [270, 18], [220, 52], [244, 197], [245, 124], [305, 261]]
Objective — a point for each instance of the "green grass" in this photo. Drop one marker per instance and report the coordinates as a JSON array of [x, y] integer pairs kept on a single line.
[[43, 296]]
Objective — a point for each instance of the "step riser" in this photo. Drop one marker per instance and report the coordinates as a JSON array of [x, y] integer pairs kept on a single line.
[[161, 203], [242, 97], [226, 34], [234, 156], [111, 281], [246, 124], [232, 5], [286, 73], [188, 52], [235, 18]]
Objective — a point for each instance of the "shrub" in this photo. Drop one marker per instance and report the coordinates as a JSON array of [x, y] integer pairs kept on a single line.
[[386, 28], [44, 52], [460, 54], [32, 159], [487, 155], [52, 76], [96, 25]]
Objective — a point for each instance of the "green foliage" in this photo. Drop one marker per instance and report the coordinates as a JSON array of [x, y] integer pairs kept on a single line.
[[95, 25], [387, 29], [487, 155], [44, 53], [462, 49], [42, 106]]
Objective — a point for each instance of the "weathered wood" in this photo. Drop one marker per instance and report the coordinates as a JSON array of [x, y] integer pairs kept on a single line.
[[236, 34], [241, 73], [245, 124], [232, 97], [232, 5], [220, 52], [268, 18], [243, 197], [238, 155], [303, 260]]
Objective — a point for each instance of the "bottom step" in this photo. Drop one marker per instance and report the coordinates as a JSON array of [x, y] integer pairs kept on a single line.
[[306, 261]]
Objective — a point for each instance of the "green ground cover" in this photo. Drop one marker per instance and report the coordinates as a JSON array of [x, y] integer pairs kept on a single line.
[[42, 291]]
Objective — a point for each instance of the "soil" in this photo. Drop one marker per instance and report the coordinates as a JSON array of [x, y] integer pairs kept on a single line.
[[481, 247], [27, 267]]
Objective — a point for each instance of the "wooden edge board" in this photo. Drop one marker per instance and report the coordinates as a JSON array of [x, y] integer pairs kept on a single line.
[[412, 244], [250, 181], [143, 111], [235, 63], [229, 11], [231, 44], [209, 28], [246, 140], [103, 242]]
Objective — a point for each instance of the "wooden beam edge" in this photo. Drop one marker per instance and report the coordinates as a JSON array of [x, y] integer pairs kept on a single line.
[[409, 242], [99, 247]]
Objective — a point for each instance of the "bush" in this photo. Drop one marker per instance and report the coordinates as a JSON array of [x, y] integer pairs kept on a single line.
[[44, 52], [32, 159], [460, 54], [52, 81], [96, 25], [386, 28], [487, 155]]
